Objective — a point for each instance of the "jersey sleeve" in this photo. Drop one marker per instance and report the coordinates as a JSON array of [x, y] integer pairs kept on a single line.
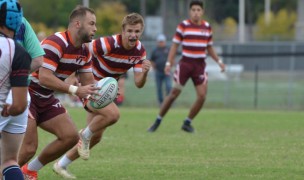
[[209, 40], [31, 42], [20, 67], [178, 36], [142, 53], [53, 48]]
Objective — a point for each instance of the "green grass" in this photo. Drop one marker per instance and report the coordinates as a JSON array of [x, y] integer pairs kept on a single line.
[[227, 144]]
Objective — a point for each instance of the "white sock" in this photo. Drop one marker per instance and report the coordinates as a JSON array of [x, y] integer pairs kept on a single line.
[[64, 161], [87, 133], [159, 118], [35, 165]]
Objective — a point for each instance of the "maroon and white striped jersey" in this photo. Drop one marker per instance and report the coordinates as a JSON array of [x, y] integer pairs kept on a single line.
[[110, 59], [194, 39], [62, 57]]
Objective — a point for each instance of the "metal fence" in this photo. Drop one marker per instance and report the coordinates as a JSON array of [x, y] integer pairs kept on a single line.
[[258, 76]]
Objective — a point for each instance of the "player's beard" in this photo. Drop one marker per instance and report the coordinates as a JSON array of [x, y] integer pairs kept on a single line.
[[84, 36]]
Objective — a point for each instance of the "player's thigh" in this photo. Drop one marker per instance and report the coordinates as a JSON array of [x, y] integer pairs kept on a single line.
[[10, 145], [111, 111], [61, 125]]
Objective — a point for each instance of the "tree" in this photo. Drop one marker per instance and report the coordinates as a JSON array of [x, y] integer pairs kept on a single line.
[[109, 16], [281, 26], [53, 13]]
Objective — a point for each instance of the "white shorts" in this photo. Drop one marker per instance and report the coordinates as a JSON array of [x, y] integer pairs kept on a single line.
[[15, 124]]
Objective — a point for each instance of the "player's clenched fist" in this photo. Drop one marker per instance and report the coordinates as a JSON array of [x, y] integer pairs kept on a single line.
[[146, 65]]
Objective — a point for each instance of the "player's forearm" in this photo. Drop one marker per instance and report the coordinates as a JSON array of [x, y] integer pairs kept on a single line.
[[140, 79], [54, 83], [171, 55], [213, 54]]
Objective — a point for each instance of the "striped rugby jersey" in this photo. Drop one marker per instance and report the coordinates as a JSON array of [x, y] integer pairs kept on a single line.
[[110, 59], [63, 58], [194, 39]]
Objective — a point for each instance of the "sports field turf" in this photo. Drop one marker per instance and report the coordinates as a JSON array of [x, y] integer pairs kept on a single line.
[[227, 145]]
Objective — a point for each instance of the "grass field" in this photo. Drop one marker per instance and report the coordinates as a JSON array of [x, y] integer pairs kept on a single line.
[[227, 144]]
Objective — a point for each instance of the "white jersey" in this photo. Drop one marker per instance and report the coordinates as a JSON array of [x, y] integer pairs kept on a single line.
[[14, 67], [7, 51]]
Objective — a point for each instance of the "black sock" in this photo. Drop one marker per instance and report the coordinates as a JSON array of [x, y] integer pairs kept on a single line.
[[12, 173]]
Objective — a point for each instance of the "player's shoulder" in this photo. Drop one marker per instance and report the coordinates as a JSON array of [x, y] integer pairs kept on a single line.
[[59, 38], [185, 22], [206, 23]]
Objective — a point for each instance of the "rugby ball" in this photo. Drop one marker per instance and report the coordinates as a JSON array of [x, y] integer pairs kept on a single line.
[[107, 93]]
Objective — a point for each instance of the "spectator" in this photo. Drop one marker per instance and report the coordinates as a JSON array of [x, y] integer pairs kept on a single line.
[[158, 60]]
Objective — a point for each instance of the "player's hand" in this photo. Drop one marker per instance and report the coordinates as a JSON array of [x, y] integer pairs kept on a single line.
[[167, 70], [146, 65], [222, 66], [87, 91], [4, 112]]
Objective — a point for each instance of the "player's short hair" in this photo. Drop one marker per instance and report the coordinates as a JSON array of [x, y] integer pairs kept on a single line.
[[133, 19], [196, 2], [80, 11]]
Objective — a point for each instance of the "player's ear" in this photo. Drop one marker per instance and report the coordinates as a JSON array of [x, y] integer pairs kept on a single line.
[[77, 24]]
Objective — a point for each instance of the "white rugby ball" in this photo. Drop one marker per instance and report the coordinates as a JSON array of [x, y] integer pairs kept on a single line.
[[107, 93]]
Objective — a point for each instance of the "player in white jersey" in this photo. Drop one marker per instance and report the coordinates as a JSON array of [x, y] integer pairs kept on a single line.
[[14, 70]]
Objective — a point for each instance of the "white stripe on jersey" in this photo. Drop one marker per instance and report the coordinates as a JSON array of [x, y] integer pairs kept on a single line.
[[139, 45], [119, 60], [71, 61], [51, 48], [103, 45], [135, 69], [194, 55], [193, 44], [41, 95], [58, 34], [106, 69], [49, 66], [116, 45], [196, 33], [91, 47]]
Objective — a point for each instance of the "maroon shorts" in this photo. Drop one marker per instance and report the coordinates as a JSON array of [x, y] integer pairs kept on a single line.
[[44, 109], [194, 69]]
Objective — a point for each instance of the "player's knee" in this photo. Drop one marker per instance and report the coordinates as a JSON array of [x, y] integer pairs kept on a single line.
[[28, 150], [70, 139], [114, 118], [201, 97]]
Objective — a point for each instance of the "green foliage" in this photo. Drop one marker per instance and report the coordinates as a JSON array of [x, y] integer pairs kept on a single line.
[[281, 25], [53, 13], [230, 27], [109, 16]]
